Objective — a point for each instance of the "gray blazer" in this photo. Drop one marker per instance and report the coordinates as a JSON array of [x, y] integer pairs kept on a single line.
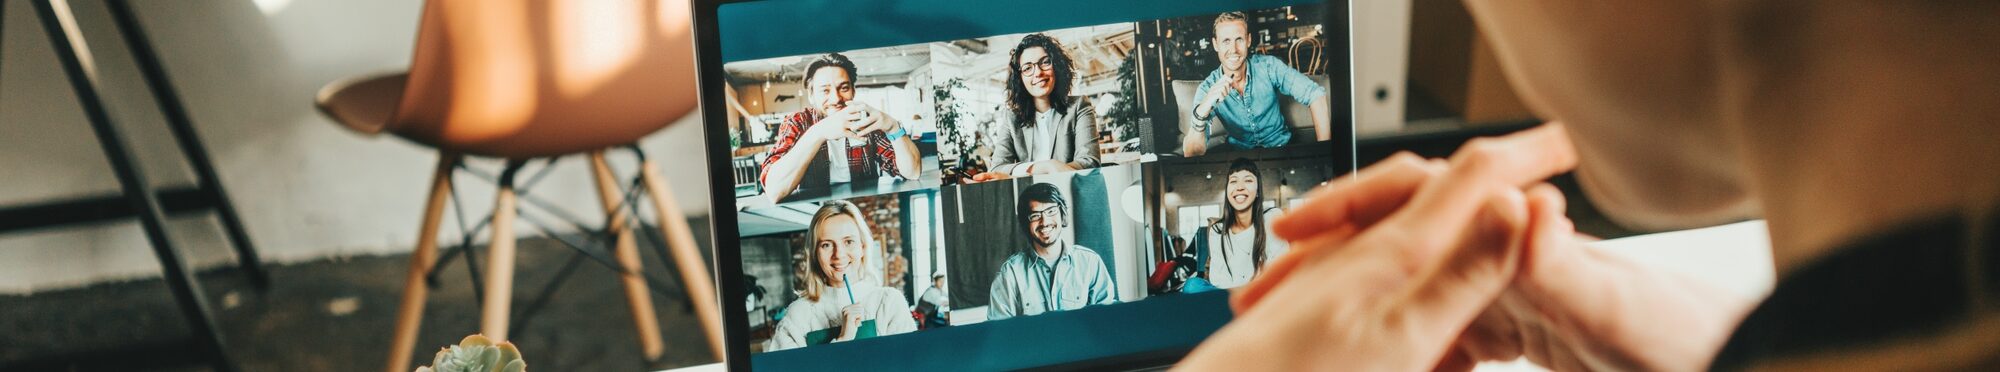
[[1076, 131]]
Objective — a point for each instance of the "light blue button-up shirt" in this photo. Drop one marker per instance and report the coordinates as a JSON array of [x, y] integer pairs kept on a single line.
[[1253, 117], [1030, 285]]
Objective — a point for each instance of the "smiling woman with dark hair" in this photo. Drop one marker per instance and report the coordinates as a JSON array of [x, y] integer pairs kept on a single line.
[[1234, 249], [1043, 129]]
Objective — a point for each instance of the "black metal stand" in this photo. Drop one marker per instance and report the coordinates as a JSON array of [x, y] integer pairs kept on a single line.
[[139, 198], [176, 115]]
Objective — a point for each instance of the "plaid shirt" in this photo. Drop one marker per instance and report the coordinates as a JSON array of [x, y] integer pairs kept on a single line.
[[879, 152]]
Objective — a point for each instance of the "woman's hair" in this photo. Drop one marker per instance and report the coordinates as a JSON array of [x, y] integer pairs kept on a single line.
[[816, 281], [1256, 216], [1018, 100]]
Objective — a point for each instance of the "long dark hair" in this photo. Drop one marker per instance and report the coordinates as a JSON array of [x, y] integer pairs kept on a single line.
[[1256, 216], [1018, 100]]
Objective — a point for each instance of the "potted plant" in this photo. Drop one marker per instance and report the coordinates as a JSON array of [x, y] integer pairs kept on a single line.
[[476, 353]]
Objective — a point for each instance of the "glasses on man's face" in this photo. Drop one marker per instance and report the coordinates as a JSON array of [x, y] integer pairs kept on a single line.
[[1037, 66], [1046, 214]]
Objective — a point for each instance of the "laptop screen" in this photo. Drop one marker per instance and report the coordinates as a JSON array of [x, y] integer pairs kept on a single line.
[[1008, 184]]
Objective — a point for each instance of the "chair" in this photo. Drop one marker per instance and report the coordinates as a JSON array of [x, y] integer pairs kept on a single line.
[[1298, 115], [520, 80]]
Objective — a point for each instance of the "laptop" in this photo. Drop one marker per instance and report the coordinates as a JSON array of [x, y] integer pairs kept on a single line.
[[1008, 184]]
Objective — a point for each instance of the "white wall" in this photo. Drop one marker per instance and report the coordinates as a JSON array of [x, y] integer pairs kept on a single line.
[[247, 70]]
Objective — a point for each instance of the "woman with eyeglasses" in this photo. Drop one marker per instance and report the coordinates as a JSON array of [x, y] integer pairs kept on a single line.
[[839, 301], [1045, 129]]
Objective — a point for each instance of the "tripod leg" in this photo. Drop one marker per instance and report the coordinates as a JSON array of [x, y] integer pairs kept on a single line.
[[73, 53]]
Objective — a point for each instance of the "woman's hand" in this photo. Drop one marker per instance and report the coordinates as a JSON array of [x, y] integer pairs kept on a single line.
[[850, 322], [1343, 209], [1573, 308], [989, 176], [1390, 266]]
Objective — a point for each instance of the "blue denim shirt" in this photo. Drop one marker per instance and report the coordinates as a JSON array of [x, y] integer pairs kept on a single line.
[[1028, 285], [1253, 117]]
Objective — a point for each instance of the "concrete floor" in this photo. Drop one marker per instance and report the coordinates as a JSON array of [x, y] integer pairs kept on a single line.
[[337, 315]]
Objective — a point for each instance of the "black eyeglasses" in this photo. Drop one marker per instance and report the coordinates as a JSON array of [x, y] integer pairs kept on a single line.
[[1037, 66], [1053, 213]]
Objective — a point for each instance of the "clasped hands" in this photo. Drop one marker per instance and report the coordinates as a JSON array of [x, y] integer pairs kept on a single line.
[[1391, 267], [854, 121]]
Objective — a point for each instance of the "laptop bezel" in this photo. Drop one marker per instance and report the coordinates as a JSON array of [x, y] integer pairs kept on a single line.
[[723, 227]]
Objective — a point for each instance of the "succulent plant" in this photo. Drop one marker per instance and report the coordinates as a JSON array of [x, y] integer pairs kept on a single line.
[[476, 353]]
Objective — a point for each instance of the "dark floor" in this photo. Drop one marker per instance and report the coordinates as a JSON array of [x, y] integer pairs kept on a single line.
[[337, 315]]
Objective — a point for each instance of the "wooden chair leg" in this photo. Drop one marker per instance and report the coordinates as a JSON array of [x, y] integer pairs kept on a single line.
[[636, 295], [410, 315], [687, 255], [493, 312]]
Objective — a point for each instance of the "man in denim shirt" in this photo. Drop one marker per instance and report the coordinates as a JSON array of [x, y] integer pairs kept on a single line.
[[1243, 94], [1055, 275]]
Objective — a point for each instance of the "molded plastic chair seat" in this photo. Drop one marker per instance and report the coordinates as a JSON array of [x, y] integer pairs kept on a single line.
[[364, 104], [367, 105], [522, 79]]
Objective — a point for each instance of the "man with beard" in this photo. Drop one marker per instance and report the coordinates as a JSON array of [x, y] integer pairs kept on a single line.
[[1054, 275], [1243, 95], [831, 114]]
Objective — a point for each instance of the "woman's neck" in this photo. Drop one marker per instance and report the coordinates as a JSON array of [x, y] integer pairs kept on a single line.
[[838, 281], [1243, 220], [1043, 104], [1826, 171]]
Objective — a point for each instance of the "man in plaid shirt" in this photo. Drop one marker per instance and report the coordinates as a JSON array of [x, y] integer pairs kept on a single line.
[[832, 115]]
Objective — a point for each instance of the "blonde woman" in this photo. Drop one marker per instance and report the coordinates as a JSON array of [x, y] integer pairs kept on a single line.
[[829, 309]]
